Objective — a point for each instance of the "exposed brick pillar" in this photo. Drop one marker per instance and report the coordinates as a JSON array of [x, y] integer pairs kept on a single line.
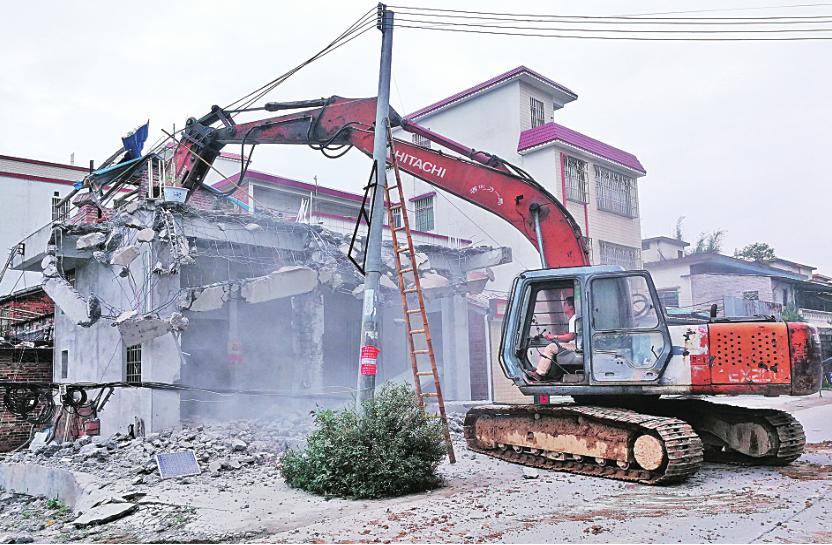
[[23, 365]]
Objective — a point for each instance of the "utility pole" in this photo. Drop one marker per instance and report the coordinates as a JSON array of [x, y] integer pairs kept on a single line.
[[368, 357]]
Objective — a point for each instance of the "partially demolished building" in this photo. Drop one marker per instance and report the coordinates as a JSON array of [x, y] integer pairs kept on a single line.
[[240, 309]]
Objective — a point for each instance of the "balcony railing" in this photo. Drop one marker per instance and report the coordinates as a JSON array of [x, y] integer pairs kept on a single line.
[[818, 318]]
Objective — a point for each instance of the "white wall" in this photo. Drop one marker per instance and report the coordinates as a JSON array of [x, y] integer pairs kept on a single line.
[[25, 206]]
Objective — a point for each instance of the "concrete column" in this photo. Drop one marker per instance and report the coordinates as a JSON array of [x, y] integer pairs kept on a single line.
[[308, 340], [457, 373]]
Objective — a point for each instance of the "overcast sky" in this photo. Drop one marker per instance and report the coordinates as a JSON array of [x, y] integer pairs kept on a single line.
[[733, 135]]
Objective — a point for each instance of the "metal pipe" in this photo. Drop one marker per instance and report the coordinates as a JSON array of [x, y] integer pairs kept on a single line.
[[368, 356], [535, 210]]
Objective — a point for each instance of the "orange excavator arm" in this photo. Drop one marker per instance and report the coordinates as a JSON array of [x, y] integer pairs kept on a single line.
[[478, 177]]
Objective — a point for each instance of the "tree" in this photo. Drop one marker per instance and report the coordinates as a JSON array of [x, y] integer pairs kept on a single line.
[[678, 234], [709, 243], [759, 251]]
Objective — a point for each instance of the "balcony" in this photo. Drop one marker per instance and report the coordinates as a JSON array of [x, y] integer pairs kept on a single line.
[[818, 318]]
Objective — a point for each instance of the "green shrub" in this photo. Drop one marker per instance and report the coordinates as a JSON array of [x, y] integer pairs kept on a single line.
[[392, 449]]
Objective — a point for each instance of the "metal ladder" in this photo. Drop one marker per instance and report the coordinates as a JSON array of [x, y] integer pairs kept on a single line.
[[418, 312]]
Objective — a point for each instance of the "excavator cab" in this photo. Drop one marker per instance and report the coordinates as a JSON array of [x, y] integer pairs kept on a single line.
[[620, 333]]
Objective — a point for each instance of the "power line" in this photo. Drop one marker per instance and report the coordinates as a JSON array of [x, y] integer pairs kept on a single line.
[[610, 17], [625, 20], [619, 30], [622, 38]]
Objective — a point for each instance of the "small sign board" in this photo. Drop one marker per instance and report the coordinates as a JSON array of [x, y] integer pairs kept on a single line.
[[177, 464], [369, 357]]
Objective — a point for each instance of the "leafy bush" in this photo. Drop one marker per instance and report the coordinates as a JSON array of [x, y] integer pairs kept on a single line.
[[392, 449]]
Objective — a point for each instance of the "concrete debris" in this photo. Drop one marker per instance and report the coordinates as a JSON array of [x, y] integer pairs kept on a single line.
[[83, 312], [386, 282], [178, 322], [102, 257], [434, 280], [132, 207], [253, 227], [104, 513], [137, 331], [238, 445], [90, 241], [124, 316], [206, 298], [530, 473], [124, 255], [16, 538], [284, 282], [113, 241], [146, 235]]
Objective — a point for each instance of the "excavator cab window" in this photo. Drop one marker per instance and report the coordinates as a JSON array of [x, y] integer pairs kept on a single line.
[[552, 307], [630, 342]]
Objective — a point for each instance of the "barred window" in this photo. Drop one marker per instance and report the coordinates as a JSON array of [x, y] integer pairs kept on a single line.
[[617, 254], [59, 213], [537, 111], [397, 217], [421, 141], [616, 193], [669, 297], [575, 173], [134, 364], [424, 213]]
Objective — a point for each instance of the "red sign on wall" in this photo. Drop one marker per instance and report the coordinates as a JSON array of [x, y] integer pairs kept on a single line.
[[369, 357]]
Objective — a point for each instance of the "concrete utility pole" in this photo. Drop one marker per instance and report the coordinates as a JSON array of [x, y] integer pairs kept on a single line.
[[370, 319]]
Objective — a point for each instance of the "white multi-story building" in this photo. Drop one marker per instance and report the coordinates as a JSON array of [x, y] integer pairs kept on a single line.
[[29, 191], [512, 116]]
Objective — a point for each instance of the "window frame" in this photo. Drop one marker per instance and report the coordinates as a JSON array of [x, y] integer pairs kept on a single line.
[[131, 374], [424, 213], [537, 112], [661, 291], [606, 193], [576, 189], [420, 141], [602, 244], [62, 213]]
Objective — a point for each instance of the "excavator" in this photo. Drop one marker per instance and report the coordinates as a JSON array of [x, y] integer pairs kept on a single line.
[[627, 353]]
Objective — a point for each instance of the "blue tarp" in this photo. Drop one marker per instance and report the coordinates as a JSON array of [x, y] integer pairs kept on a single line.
[[135, 142]]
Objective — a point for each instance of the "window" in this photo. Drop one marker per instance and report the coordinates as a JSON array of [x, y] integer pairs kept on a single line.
[[617, 254], [537, 111], [134, 364], [616, 192], [64, 363], [424, 213], [575, 173], [397, 217], [59, 213], [421, 141], [751, 295], [669, 297]]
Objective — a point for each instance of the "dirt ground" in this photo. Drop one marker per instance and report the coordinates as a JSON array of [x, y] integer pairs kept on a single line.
[[486, 500]]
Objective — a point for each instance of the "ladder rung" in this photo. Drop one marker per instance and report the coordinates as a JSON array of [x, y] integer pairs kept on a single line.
[[416, 311], [407, 270], [402, 228], [395, 205], [421, 352], [424, 373], [403, 250], [430, 394], [417, 331], [410, 290]]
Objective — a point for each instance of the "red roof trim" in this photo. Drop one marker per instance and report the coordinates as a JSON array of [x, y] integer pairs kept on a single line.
[[485, 85], [552, 132], [34, 178], [286, 182], [45, 163], [422, 196]]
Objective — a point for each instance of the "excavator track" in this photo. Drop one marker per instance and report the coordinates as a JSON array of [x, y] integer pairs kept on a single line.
[[599, 441], [768, 436]]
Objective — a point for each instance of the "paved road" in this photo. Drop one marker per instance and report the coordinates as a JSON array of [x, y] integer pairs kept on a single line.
[[487, 501]]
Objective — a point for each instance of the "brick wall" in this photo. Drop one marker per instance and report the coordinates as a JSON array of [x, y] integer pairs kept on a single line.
[[24, 365]]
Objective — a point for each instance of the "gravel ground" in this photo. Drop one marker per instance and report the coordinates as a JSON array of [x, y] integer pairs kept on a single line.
[[483, 500]]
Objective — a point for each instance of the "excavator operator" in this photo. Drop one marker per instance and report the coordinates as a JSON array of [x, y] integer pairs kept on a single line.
[[561, 351]]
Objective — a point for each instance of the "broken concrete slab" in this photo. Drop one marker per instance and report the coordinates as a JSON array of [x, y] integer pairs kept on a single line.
[[207, 298], [113, 241], [433, 280], [136, 331], [124, 256], [104, 513], [282, 283], [124, 316], [90, 241], [83, 312], [146, 235]]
